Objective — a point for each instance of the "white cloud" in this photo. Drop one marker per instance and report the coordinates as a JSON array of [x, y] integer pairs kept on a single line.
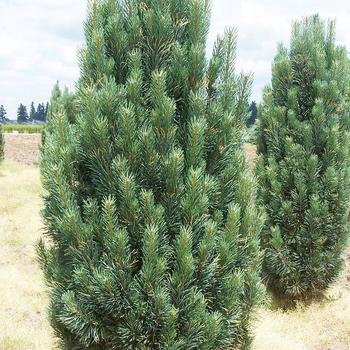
[[39, 40], [38, 45], [264, 23]]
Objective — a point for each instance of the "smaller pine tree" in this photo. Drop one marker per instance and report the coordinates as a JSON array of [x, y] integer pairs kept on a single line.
[[253, 114], [40, 112], [22, 114], [304, 167], [32, 113], [3, 114], [60, 102]]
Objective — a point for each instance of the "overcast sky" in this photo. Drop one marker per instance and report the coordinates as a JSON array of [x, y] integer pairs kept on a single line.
[[39, 40]]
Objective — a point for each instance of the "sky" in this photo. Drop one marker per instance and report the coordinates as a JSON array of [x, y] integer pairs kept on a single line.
[[39, 40]]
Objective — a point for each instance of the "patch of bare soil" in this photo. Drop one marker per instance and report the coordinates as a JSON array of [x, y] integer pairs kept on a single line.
[[250, 152], [22, 148]]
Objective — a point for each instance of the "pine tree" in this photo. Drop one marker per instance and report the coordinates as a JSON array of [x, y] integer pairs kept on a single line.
[[303, 140], [150, 208], [32, 113], [3, 114], [253, 113], [40, 114], [60, 102], [22, 114], [64, 101]]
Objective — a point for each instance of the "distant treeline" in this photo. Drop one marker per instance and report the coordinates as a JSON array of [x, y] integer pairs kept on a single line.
[[36, 113], [40, 112]]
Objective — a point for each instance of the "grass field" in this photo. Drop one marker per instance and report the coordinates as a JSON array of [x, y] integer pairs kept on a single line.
[[23, 301], [23, 325], [23, 128]]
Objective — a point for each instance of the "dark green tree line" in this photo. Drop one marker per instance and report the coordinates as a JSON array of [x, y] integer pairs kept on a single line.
[[35, 114]]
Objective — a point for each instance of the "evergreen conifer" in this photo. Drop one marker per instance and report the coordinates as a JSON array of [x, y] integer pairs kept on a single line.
[[32, 113], [303, 142], [3, 114], [22, 114], [152, 231]]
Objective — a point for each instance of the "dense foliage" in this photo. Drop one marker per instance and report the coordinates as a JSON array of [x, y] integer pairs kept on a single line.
[[303, 141], [63, 101], [151, 225]]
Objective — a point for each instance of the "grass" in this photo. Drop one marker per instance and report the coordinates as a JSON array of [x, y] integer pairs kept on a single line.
[[23, 128], [23, 326], [319, 326]]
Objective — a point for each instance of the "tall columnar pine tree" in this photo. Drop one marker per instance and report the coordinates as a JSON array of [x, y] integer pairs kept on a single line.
[[150, 213], [303, 141]]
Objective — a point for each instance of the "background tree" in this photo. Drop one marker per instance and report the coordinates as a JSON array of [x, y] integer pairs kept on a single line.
[[64, 101], [22, 114], [303, 141], [60, 102], [32, 113], [3, 114], [253, 114], [40, 114], [150, 206]]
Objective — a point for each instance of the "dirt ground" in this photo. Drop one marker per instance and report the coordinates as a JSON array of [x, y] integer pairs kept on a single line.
[[23, 299], [22, 148], [250, 152]]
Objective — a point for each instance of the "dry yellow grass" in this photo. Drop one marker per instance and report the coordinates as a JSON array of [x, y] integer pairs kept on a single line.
[[23, 302], [23, 325], [320, 326]]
